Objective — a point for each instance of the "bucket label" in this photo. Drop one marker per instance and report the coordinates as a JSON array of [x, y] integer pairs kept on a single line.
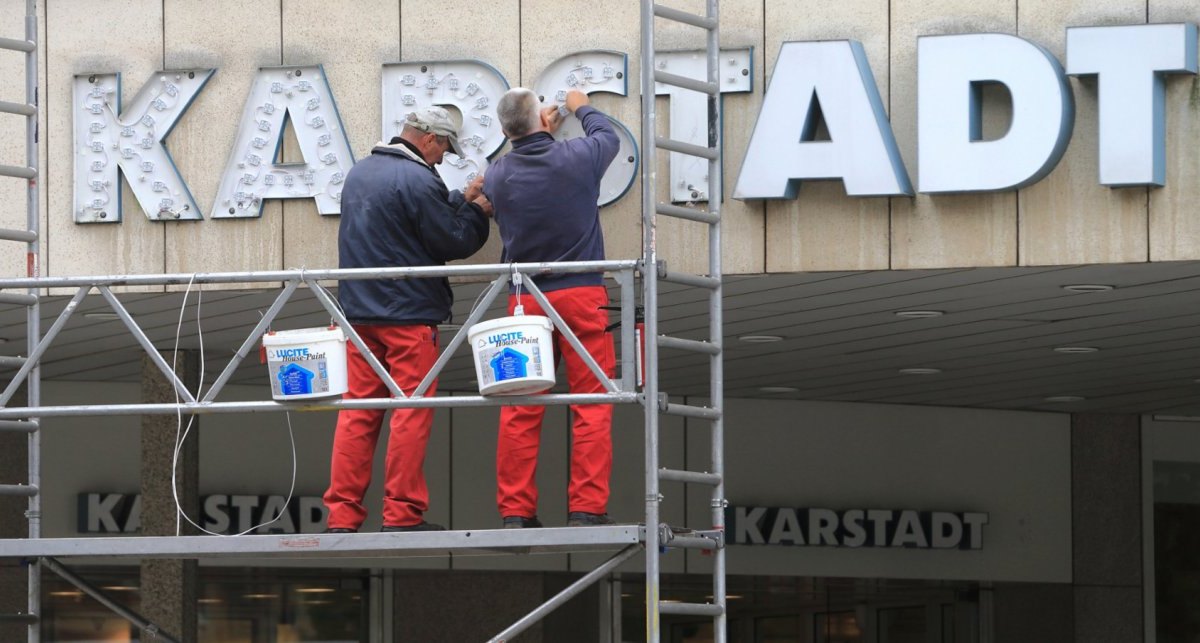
[[295, 380], [509, 364], [299, 370]]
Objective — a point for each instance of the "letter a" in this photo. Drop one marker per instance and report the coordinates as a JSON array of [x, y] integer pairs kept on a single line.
[[861, 151]]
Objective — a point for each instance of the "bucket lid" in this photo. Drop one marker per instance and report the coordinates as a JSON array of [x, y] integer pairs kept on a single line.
[[508, 322], [303, 336]]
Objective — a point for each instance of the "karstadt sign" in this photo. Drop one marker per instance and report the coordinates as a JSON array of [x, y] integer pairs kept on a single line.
[[121, 513], [854, 528], [828, 83]]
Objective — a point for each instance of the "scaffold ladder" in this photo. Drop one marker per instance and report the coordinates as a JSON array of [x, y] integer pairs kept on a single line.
[[657, 403], [29, 236]]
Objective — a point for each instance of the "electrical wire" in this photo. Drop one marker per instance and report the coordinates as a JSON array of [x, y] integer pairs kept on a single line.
[[181, 432]]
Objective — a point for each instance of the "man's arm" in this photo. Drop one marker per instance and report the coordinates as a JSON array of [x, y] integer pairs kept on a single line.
[[601, 137], [451, 227]]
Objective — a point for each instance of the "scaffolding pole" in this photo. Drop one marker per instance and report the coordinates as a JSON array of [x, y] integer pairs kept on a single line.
[[657, 401], [650, 300]]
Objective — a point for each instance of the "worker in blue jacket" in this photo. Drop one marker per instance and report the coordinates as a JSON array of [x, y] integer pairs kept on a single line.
[[396, 211], [545, 194]]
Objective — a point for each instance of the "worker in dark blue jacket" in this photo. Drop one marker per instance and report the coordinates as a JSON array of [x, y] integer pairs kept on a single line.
[[545, 194], [396, 211]]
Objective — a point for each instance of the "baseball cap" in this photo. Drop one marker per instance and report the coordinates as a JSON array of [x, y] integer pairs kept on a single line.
[[435, 120]]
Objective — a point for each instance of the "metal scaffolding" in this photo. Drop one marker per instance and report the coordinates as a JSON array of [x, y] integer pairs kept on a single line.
[[30, 236], [653, 537]]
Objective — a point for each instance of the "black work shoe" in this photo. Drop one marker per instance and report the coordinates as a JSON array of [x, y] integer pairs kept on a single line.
[[521, 522], [584, 519], [421, 526], [341, 530]]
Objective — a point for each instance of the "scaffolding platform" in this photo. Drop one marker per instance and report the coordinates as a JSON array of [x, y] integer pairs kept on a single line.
[[472, 542], [638, 382]]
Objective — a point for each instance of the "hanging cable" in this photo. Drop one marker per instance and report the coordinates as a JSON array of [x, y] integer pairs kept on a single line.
[[181, 432]]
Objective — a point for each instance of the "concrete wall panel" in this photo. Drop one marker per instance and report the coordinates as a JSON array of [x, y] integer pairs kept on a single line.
[[551, 29], [1174, 227], [777, 454], [13, 192], [129, 41], [824, 229], [1068, 217], [945, 230], [236, 38], [684, 244]]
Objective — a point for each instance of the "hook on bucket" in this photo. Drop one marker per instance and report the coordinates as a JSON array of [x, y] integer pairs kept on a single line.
[[517, 280]]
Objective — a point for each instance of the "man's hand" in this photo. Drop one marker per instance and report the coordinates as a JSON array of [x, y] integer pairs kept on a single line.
[[484, 204], [474, 188], [551, 118], [576, 99]]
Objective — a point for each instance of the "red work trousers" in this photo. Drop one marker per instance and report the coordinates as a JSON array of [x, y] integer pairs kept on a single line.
[[408, 352], [591, 428]]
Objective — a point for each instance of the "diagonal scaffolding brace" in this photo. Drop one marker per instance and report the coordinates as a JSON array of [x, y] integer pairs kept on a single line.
[[141, 338], [91, 590], [255, 334], [567, 594], [36, 355], [461, 336]]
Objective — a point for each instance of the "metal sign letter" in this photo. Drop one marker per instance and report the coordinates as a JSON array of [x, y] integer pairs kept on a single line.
[[861, 151], [1132, 63], [470, 86], [589, 72], [950, 69], [252, 175], [108, 139]]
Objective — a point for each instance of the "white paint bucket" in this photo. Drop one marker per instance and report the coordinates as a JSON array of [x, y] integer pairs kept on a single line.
[[306, 363], [513, 355]]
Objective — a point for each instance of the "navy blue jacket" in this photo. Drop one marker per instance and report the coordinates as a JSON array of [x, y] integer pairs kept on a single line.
[[544, 193], [396, 211]]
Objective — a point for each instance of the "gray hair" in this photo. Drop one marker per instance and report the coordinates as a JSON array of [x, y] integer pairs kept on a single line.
[[518, 112]]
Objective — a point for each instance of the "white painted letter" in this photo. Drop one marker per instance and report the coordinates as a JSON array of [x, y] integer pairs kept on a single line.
[[470, 86], [880, 518], [312, 515], [951, 157], [107, 139], [252, 176], [747, 529], [216, 514], [275, 506], [941, 537], [590, 72], [1132, 62], [822, 527], [975, 523], [100, 518], [832, 78], [787, 528], [909, 532], [852, 520], [688, 116]]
